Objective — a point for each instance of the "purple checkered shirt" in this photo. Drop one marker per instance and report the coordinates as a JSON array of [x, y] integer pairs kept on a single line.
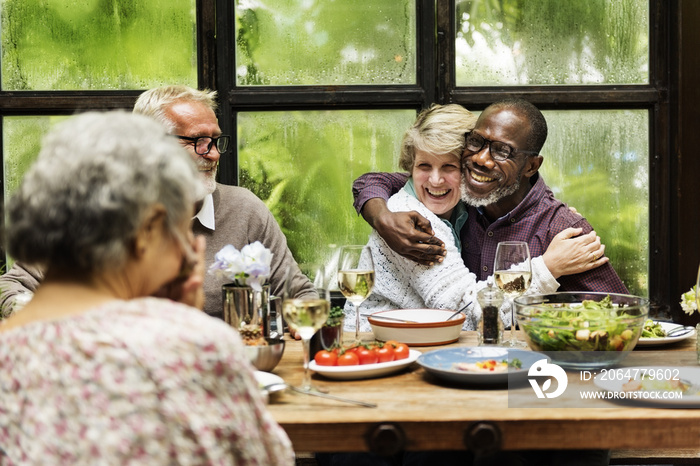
[[536, 220]]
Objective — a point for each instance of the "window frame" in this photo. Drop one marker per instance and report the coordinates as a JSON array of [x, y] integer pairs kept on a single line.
[[672, 75]]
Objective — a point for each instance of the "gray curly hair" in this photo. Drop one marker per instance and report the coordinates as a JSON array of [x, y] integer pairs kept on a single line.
[[437, 130], [155, 101], [80, 205]]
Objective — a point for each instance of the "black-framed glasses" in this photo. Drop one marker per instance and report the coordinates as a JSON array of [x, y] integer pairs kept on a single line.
[[500, 151], [203, 144]]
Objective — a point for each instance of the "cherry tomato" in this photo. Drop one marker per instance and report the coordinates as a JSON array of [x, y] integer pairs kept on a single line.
[[367, 356], [385, 353], [401, 351], [392, 343], [348, 359], [326, 358]]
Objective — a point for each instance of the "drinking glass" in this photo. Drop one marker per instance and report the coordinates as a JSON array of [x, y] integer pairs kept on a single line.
[[512, 273], [306, 315], [356, 277]]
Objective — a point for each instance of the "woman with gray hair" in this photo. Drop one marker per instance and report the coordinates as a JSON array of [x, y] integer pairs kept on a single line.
[[94, 369], [431, 152]]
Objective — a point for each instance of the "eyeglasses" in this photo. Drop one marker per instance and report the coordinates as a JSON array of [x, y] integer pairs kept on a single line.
[[500, 151], [203, 144]]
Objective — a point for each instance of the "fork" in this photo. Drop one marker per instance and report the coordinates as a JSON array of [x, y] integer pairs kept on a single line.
[[680, 330], [459, 312]]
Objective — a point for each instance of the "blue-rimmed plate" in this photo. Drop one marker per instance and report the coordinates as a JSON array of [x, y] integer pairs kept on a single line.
[[443, 363]]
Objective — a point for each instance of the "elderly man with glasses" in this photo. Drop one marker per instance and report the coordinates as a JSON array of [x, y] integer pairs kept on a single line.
[[228, 215]]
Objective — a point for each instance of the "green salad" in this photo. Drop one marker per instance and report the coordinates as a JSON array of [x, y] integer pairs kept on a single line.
[[653, 330], [588, 326]]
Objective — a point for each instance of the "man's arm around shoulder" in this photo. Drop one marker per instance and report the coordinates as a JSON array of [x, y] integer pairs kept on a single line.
[[408, 233]]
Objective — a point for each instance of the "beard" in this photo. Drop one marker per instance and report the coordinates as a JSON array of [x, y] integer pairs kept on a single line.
[[209, 182], [491, 198], [208, 177]]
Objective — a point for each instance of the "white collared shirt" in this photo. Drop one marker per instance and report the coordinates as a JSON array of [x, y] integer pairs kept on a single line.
[[206, 213]]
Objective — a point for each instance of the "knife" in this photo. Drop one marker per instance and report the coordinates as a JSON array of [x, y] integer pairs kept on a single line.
[[332, 397]]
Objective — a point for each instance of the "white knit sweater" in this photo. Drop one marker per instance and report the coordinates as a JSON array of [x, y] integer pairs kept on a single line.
[[401, 283]]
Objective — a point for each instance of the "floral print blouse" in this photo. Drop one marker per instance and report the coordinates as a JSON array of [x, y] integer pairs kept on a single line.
[[146, 381]]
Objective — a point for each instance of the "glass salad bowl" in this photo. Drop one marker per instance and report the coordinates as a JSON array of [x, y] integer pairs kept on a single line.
[[582, 330]]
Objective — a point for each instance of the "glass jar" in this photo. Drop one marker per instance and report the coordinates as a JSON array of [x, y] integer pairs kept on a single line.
[[490, 326]]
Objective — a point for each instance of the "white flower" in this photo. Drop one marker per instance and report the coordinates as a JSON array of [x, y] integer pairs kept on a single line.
[[248, 267], [688, 302]]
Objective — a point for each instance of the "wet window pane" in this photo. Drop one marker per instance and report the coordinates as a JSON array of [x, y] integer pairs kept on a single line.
[[93, 44], [598, 162], [550, 42], [21, 143], [301, 42], [302, 164]]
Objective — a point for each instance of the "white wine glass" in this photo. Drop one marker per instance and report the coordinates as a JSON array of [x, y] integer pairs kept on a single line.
[[306, 315], [512, 273], [356, 277]]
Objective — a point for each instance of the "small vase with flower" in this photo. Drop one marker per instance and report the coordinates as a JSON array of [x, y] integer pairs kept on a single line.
[[246, 297]]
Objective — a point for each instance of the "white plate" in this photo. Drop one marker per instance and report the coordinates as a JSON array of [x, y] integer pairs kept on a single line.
[[667, 326], [687, 374], [440, 363], [266, 378], [364, 371]]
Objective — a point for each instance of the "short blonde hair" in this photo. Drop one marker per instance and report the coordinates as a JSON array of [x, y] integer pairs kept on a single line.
[[154, 102], [437, 130]]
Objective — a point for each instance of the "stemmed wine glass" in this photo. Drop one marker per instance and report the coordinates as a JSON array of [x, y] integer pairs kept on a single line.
[[512, 272], [356, 277], [306, 315]]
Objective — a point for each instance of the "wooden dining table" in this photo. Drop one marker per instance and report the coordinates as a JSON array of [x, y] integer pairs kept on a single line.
[[417, 411]]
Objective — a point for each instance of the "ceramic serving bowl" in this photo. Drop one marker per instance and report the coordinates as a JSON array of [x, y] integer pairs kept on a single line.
[[417, 327], [266, 358], [582, 330]]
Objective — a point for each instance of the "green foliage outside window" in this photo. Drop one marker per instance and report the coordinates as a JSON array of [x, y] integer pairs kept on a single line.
[[533, 42], [598, 162], [97, 44], [337, 42], [303, 163], [552, 42]]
